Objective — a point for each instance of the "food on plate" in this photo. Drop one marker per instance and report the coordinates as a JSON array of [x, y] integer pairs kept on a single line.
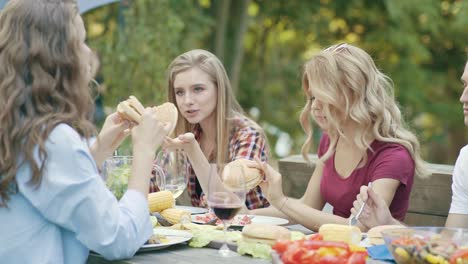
[[154, 220], [316, 250], [253, 176], [334, 232], [157, 239], [375, 234], [420, 245], [264, 233], [239, 220], [158, 201], [175, 215], [131, 109]]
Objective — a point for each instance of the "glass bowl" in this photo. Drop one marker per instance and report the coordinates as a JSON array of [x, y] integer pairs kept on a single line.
[[426, 244], [116, 171]]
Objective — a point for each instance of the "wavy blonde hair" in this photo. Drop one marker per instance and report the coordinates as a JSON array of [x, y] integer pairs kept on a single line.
[[227, 106], [43, 82], [351, 88]]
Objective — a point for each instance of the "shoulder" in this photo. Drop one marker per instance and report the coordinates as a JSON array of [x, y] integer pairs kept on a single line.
[[244, 127], [64, 138], [389, 150]]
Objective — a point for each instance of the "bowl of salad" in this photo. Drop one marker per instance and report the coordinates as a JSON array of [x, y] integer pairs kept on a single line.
[[427, 245], [116, 171]]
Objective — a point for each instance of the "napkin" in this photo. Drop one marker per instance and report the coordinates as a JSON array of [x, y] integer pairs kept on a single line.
[[380, 252]]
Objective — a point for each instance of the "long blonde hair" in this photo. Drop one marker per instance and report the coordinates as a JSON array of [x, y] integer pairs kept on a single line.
[[227, 107], [346, 80], [43, 82]]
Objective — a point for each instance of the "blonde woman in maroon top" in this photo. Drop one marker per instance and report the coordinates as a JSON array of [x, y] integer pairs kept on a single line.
[[364, 140]]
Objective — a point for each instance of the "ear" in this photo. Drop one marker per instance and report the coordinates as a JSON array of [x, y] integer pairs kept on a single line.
[[305, 85]]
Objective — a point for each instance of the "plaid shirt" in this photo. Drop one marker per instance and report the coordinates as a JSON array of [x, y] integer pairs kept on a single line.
[[245, 142]]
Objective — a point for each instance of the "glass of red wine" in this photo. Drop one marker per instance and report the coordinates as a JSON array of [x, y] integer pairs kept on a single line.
[[226, 196]]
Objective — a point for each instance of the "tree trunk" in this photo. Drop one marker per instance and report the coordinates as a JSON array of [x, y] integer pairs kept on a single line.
[[222, 15], [238, 43]]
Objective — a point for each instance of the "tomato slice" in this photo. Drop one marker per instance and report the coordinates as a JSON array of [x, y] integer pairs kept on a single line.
[[281, 246]]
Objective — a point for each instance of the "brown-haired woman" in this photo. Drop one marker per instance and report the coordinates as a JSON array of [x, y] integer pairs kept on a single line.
[[53, 204]]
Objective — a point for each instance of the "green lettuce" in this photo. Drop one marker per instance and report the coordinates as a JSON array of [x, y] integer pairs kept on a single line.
[[203, 237]]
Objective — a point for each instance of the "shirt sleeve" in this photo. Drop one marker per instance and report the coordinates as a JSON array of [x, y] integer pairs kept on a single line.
[[460, 184], [73, 196], [250, 144], [393, 162]]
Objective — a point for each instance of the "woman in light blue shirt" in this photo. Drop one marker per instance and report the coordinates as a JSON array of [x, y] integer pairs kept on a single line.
[[54, 207]]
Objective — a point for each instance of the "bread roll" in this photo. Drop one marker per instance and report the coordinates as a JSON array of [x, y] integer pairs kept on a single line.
[[252, 176], [264, 233], [375, 234]]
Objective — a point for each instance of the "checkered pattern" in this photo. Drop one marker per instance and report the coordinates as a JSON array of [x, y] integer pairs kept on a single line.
[[245, 142]]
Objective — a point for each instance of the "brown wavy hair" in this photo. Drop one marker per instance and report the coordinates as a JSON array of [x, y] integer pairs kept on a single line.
[[44, 78]]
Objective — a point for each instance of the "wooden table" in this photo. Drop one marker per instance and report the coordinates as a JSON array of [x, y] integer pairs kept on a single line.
[[179, 254]]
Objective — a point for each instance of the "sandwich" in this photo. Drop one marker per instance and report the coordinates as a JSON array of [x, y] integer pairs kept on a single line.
[[131, 110], [375, 234], [264, 233], [232, 170]]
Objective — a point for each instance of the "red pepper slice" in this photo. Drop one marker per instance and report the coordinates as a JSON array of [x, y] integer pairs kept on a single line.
[[461, 253], [357, 258]]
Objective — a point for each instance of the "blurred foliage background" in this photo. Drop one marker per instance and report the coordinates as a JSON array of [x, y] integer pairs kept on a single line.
[[421, 44]]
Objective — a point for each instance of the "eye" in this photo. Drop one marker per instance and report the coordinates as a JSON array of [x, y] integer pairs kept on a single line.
[[179, 93], [311, 99], [198, 89]]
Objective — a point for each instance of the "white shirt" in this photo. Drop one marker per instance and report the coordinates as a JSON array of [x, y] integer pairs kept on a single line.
[[71, 211], [460, 184]]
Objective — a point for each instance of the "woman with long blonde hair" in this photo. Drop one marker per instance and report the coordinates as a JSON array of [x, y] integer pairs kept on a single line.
[[364, 141], [54, 205], [211, 126]]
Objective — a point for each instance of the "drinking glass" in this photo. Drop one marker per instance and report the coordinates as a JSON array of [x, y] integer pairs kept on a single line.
[[116, 171], [226, 196], [171, 171]]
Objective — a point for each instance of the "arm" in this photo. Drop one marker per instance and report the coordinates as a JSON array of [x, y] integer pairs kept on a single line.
[[306, 211], [458, 214]]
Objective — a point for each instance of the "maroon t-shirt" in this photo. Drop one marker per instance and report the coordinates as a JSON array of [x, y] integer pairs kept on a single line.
[[385, 160]]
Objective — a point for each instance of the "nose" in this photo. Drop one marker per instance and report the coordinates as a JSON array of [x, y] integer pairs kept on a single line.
[[188, 99], [464, 96]]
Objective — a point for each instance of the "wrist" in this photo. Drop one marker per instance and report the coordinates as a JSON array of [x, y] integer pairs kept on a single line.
[[280, 202]]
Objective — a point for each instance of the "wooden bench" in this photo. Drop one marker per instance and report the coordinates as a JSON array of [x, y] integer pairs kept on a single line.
[[429, 201]]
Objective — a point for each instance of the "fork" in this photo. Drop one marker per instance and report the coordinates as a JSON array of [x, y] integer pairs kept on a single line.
[[353, 220]]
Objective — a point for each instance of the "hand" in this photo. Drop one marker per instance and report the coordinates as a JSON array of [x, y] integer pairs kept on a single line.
[[272, 186], [185, 141], [150, 133], [113, 132], [375, 212]]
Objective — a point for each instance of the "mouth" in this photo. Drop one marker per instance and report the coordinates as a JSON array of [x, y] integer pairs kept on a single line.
[[465, 111], [191, 112]]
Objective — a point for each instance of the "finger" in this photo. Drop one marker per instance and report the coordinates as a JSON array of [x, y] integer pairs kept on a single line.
[[353, 211], [363, 193]]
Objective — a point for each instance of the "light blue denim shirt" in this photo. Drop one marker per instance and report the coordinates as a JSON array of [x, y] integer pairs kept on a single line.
[[71, 211]]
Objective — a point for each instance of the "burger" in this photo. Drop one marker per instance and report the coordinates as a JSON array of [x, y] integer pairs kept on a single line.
[[375, 234], [232, 170], [264, 233], [131, 109]]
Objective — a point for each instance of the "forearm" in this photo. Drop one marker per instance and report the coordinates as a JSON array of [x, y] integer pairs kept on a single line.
[[270, 211], [200, 165], [307, 216], [98, 156], [141, 170]]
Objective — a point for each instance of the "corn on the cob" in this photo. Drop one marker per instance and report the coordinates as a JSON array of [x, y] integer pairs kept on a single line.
[[175, 216], [345, 233], [159, 201]]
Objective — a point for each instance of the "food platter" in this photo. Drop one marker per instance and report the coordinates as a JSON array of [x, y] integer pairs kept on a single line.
[[241, 220], [173, 237]]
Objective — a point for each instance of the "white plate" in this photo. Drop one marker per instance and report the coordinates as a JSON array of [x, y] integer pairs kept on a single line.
[[192, 209], [256, 219], [174, 237]]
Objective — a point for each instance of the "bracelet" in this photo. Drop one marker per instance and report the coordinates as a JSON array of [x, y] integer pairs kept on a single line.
[[285, 200]]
